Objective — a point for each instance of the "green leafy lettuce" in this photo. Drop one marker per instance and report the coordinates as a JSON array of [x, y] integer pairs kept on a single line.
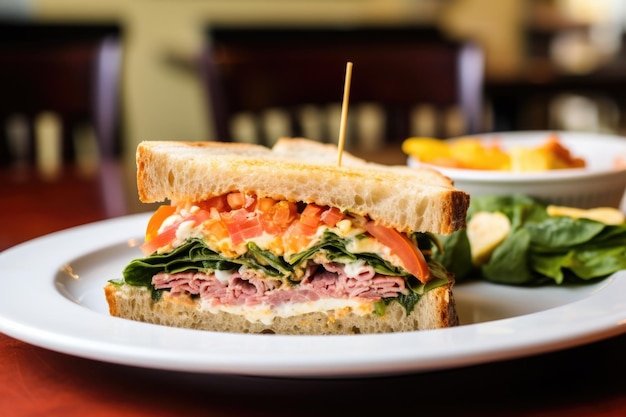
[[194, 255], [540, 249]]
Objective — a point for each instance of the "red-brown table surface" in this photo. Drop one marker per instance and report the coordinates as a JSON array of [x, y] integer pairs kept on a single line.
[[587, 380]]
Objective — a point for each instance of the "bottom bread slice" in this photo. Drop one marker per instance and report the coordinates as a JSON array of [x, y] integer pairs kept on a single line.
[[436, 309]]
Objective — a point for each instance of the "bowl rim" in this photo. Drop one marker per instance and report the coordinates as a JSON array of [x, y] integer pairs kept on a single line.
[[460, 174]]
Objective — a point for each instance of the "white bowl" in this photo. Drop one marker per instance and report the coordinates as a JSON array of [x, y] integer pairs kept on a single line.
[[599, 184]]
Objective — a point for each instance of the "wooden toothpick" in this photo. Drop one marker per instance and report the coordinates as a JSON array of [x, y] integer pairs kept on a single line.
[[344, 113]]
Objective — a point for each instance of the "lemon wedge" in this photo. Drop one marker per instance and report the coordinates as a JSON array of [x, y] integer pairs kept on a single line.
[[606, 215], [485, 231]]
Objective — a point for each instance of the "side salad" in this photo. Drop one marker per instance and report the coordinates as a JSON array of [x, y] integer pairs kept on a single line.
[[518, 240]]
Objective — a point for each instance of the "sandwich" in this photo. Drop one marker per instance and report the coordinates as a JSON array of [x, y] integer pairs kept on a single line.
[[285, 240]]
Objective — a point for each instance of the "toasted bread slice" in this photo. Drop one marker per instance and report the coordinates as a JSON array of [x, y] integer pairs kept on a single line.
[[407, 199]]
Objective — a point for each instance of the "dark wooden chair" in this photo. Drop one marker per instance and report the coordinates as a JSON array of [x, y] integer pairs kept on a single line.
[[70, 73], [251, 70]]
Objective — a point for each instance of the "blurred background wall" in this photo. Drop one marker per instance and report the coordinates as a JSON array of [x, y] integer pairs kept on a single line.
[[161, 97], [549, 63]]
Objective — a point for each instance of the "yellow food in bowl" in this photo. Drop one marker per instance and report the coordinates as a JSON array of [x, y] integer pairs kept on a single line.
[[472, 153]]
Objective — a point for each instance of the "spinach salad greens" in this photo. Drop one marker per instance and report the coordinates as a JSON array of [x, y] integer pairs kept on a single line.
[[540, 249], [195, 255]]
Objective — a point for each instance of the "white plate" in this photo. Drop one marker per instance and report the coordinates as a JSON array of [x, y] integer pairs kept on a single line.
[[52, 297], [600, 183]]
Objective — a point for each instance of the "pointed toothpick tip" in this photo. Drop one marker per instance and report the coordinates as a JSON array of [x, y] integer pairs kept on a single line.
[[344, 113]]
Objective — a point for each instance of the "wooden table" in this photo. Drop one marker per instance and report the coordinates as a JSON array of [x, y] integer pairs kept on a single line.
[[588, 380]]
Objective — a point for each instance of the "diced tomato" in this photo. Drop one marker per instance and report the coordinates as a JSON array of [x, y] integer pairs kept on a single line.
[[309, 219], [302, 228], [251, 228], [307, 226], [237, 215], [312, 220], [242, 226], [236, 200], [312, 210], [219, 203], [264, 204], [160, 240], [278, 217], [400, 245], [216, 229], [295, 239], [269, 226], [162, 213], [332, 216], [199, 217], [284, 213]]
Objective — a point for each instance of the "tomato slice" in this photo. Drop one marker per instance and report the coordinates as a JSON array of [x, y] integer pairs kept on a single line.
[[157, 219], [160, 240], [400, 245], [156, 240]]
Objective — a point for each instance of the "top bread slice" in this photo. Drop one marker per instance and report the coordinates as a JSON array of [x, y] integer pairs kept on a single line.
[[407, 199]]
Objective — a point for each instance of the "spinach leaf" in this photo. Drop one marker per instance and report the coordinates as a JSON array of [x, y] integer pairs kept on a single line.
[[551, 265], [334, 245], [192, 255], [265, 260], [588, 263], [335, 249], [509, 261], [542, 249], [562, 232], [408, 301], [455, 254]]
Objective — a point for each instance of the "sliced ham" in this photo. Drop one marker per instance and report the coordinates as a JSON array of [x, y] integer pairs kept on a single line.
[[319, 281]]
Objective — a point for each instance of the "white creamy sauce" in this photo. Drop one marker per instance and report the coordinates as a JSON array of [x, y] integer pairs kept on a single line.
[[170, 220], [266, 314], [352, 269], [186, 231], [223, 276]]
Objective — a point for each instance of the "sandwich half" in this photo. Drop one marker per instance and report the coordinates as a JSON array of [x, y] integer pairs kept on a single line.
[[283, 240]]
